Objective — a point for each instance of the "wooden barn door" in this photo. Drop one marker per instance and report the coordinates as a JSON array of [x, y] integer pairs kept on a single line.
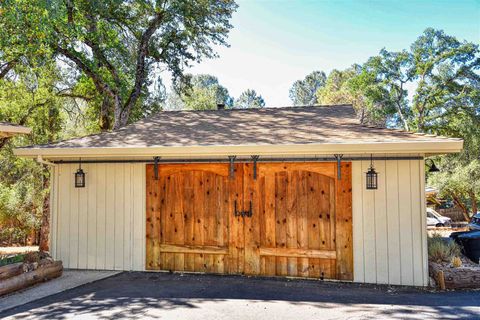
[[189, 222], [296, 221], [301, 222]]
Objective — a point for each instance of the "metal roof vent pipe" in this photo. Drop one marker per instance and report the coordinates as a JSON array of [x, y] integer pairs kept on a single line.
[[220, 106]]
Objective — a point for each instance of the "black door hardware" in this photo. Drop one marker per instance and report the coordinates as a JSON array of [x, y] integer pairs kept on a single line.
[[248, 213]]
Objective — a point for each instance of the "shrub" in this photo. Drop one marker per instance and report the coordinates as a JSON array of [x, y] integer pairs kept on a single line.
[[441, 250], [9, 259], [456, 262]]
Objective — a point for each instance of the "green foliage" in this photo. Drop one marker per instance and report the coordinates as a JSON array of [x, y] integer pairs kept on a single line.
[[249, 99], [357, 87], [11, 259], [441, 250], [29, 98], [303, 92], [120, 46], [444, 74], [199, 92]]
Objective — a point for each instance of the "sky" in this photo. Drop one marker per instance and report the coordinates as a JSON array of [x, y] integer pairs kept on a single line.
[[275, 42]]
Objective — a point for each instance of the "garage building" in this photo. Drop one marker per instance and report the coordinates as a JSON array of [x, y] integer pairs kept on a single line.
[[268, 192]]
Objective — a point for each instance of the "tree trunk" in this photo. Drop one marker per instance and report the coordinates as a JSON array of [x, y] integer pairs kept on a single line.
[[44, 243], [105, 123], [462, 206], [3, 142], [473, 199]]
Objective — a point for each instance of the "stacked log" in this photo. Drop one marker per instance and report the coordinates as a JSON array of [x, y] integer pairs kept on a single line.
[[19, 276], [11, 270], [455, 278]]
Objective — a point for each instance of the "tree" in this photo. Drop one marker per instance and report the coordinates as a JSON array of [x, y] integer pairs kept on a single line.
[[303, 92], [356, 87], [392, 71], [116, 45], [249, 99], [28, 98], [459, 177], [444, 73], [199, 92]]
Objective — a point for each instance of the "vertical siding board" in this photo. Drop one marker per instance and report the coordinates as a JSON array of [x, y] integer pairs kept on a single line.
[[110, 216], [138, 216], [83, 220], [381, 232], [423, 223], [357, 212], [393, 230], [63, 242], [53, 211], [119, 216], [92, 216], [369, 229], [74, 222], [101, 216], [405, 222], [127, 214], [416, 211], [143, 214]]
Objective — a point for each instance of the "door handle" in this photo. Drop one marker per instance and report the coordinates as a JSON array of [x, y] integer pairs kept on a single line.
[[248, 213]]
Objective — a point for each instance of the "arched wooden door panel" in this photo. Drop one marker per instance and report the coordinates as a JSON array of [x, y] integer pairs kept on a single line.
[[300, 224], [295, 214], [189, 222]]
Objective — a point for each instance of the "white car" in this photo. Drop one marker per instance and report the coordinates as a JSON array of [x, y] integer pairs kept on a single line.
[[435, 219]]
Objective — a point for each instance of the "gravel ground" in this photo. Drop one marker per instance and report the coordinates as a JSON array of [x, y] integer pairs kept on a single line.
[[140, 295]]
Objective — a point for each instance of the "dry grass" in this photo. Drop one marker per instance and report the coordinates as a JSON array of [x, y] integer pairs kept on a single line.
[[440, 250], [456, 262]]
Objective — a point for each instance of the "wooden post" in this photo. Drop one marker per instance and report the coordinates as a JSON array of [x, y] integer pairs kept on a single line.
[[441, 279]]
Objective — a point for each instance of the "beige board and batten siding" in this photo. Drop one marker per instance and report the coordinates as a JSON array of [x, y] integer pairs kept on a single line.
[[389, 224], [101, 226]]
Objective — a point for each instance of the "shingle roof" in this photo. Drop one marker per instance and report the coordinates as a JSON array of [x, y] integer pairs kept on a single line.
[[268, 126]]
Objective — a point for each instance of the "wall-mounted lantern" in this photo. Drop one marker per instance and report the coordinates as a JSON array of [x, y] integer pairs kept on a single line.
[[80, 176], [432, 168], [372, 176]]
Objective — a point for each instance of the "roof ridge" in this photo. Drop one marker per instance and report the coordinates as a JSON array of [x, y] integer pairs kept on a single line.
[[258, 109]]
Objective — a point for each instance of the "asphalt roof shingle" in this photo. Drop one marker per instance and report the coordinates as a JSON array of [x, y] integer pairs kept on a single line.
[[268, 126]]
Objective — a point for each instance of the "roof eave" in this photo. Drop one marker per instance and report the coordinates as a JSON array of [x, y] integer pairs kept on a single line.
[[423, 147], [11, 130]]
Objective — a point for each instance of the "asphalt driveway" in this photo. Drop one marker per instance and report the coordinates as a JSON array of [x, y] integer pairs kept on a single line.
[[140, 295]]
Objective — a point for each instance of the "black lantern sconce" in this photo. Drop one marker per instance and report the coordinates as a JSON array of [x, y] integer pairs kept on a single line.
[[432, 168], [372, 176], [80, 176]]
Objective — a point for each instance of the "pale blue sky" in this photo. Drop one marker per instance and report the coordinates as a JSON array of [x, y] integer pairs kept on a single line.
[[273, 43]]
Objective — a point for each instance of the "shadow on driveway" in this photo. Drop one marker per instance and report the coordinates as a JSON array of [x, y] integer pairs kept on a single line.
[[139, 295]]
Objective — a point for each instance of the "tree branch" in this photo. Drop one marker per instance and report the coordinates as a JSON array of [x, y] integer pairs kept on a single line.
[[99, 54], [140, 74], [6, 67], [99, 83]]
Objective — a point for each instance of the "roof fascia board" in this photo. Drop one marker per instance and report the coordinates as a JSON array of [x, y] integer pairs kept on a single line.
[[271, 150], [13, 129]]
